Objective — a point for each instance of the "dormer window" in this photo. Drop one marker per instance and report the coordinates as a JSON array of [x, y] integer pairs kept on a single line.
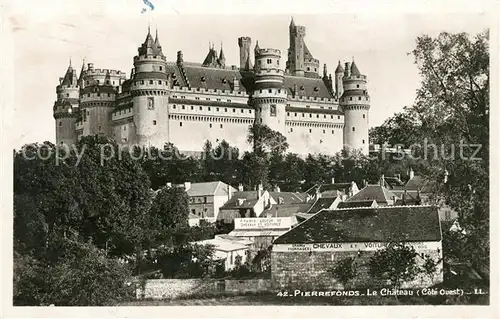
[[202, 79], [316, 89], [241, 201], [224, 80], [302, 88]]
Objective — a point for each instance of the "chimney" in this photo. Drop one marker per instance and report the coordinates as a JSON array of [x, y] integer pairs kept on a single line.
[[236, 84], [412, 174], [364, 183], [91, 66], [295, 90], [382, 180], [445, 176], [333, 180], [404, 197], [229, 192], [277, 189], [393, 200], [240, 187], [259, 191], [187, 186], [398, 176], [347, 70], [180, 59]]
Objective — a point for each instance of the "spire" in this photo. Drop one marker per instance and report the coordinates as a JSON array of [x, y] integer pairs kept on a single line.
[[339, 69], [354, 69], [292, 23], [257, 48], [157, 40], [84, 68], [325, 71], [221, 55], [70, 62]]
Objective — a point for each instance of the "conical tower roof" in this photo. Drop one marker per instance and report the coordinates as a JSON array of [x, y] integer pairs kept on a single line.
[[354, 69], [292, 23], [157, 39], [221, 55], [257, 48], [68, 77], [339, 69]]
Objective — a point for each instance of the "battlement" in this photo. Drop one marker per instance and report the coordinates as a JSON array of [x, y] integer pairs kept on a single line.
[[242, 40], [312, 60], [270, 71], [300, 30], [149, 58], [105, 72], [97, 97], [122, 114], [268, 51], [302, 98], [354, 78]]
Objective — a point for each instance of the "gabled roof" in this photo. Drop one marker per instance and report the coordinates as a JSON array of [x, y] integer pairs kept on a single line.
[[209, 189], [322, 203], [286, 210], [289, 197], [418, 183], [382, 224], [373, 192], [249, 197], [321, 188], [394, 182], [358, 204]]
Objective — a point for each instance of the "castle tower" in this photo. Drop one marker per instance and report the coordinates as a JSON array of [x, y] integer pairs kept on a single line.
[[295, 63], [149, 94], [66, 107], [245, 61], [269, 97], [355, 103], [339, 73], [222, 58]]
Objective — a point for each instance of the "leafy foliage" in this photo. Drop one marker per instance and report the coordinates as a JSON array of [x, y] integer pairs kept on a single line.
[[396, 263], [345, 270]]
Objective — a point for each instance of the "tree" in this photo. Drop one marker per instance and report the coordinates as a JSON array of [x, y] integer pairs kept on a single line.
[[396, 263], [345, 270], [82, 275], [264, 140], [429, 268]]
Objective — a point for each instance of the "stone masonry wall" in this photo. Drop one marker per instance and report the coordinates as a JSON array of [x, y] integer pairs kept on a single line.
[[305, 270], [176, 288]]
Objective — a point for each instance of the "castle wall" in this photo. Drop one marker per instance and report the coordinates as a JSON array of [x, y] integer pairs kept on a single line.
[[356, 129], [65, 130], [150, 120]]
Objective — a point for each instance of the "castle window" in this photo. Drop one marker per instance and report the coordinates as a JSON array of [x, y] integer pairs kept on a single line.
[[87, 82], [331, 116], [269, 61], [242, 110], [339, 117], [217, 109], [161, 68], [208, 99], [277, 62], [109, 94], [295, 114], [287, 113], [150, 81], [273, 110], [174, 96], [67, 94], [154, 122], [350, 98], [219, 100], [310, 115], [201, 108], [308, 69], [124, 128], [180, 123], [291, 129], [183, 107], [270, 91], [324, 116], [98, 94], [359, 98], [88, 94], [333, 132], [357, 85], [210, 125], [364, 116], [353, 129], [260, 91], [303, 114], [192, 107], [221, 126], [234, 110], [315, 70], [142, 82], [310, 130], [174, 107], [99, 128], [317, 116], [250, 111], [107, 81], [225, 109], [159, 82], [209, 108], [97, 81], [324, 132], [60, 123], [363, 141]]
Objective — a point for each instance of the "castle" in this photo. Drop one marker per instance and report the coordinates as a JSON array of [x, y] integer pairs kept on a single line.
[[188, 103]]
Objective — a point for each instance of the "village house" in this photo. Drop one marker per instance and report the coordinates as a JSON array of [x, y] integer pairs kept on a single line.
[[357, 204], [303, 257], [227, 249], [262, 231], [344, 190], [245, 204], [378, 193]]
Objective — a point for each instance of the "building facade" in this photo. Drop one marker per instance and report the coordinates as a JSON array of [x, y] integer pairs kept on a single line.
[[164, 101]]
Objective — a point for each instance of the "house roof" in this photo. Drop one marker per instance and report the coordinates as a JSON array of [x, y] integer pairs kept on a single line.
[[322, 203], [287, 210], [289, 197], [382, 224], [393, 182], [249, 197], [222, 244], [209, 189], [321, 188], [193, 216], [356, 204], [373, 192], [418, 183]]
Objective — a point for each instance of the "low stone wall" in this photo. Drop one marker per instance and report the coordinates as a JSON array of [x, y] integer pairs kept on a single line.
[[177, 288]]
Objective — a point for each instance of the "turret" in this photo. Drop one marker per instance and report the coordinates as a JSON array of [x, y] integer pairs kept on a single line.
[[269, 97], [66, 107], [355, 102], [339, 73], [296, 51], [222, 58], [149, 94]]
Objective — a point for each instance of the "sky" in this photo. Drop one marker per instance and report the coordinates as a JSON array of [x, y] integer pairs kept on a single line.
[[45, 37]]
